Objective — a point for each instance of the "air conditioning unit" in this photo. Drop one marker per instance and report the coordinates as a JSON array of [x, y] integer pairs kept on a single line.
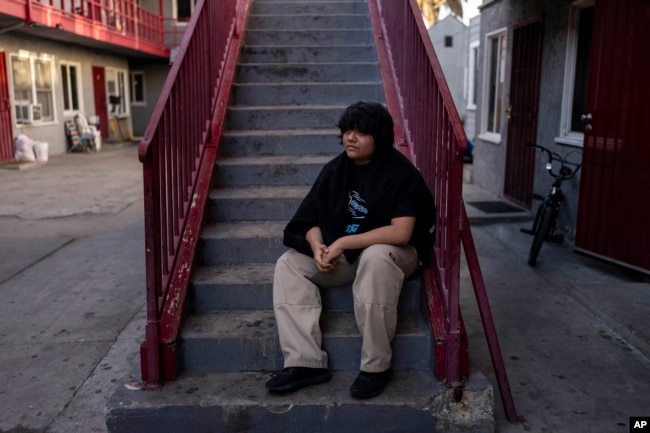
[[28, 113]]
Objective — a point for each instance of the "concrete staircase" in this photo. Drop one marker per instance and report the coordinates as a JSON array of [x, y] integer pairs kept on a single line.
[[302, 64]]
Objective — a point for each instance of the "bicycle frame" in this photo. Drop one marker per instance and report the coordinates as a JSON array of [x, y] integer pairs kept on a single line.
[[545, 221]]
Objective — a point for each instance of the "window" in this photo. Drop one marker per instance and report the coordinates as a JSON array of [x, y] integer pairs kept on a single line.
[[449, 41], [473, 75], [22, 76], [494, 80], [116, 90], [184, 9], [70, 80], [32, 80], [576, 74], [138, 96]]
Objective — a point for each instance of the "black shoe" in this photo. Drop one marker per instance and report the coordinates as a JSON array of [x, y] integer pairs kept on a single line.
[[368, 385], [293, 378]]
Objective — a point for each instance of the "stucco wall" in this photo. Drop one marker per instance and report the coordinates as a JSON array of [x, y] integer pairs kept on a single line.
[[489, 157], [155, 73], [53, 132], [452, 59]]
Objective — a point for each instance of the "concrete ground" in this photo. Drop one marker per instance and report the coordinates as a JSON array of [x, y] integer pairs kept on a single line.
[[72, 287], [574, 332]]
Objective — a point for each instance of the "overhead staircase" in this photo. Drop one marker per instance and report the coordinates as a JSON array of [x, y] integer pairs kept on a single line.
[[302, 64]]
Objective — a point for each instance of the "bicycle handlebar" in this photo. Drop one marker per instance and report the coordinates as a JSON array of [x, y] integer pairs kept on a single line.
[[565, 171]]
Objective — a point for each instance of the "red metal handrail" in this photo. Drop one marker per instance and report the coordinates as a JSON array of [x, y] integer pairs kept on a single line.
[[434, 139], [429, 131], [178, 153]]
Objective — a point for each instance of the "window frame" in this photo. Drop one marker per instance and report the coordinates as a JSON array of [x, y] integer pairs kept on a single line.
[[182, 20], [133, 100], [566, 135], [472, 73], [68, 112], [501, 35], [122, 86], [34, 90]]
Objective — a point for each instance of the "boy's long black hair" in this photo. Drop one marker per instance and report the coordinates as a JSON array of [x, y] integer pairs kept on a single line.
[[369, 118]]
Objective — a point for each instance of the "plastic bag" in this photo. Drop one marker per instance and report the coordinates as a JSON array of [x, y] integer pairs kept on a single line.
[[41, 150], [24, 146]]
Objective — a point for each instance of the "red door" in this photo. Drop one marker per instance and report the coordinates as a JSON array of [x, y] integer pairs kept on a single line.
[[614, 206], [99, 93], [522, 110], [6, 128]]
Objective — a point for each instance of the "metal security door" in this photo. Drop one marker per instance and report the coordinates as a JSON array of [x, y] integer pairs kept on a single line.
[[101, 103], [522, 110], [614, 205], [6, 128]]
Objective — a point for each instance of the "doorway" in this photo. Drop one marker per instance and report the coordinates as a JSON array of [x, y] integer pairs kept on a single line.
[[101, 104], [6, 127], [614, 205], [522, 110]]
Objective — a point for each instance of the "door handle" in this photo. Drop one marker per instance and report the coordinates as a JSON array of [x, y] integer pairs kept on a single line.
[[586, 120], [509, 112]]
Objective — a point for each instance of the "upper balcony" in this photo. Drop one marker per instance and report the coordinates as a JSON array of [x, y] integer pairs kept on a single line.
[[119, 26]]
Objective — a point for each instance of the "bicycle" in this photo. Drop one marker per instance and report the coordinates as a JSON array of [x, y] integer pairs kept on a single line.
[[544, 224]]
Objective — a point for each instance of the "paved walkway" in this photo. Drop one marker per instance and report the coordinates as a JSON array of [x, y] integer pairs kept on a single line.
[[574, 331]]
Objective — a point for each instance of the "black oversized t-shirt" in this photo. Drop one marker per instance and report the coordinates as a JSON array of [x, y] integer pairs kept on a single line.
[[347, 198]]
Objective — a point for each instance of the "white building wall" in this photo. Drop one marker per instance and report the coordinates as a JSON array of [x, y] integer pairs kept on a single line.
[[453, 59], [53, 131]]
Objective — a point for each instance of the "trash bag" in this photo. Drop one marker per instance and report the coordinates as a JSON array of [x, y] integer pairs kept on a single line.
[[24, 147]]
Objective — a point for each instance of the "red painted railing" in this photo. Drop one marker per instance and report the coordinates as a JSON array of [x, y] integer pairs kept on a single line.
[[117, 22], [179, 150], [429, 131], [178, 154]]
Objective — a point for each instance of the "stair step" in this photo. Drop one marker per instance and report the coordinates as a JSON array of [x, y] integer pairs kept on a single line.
[[308, 20], [353, 36], [268, 170], [241, 242], [309, 54], [294, 142], [232, 287], [263, 117], [307, 72], [304, 7], [254, 203], [250, 287], [247, 340], [306, 93], [414, 401]]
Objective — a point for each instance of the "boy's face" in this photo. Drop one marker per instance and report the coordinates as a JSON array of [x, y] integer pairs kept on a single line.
[[358, 146]]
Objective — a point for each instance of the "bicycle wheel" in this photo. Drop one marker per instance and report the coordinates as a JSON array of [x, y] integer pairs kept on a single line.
[[543, 230]]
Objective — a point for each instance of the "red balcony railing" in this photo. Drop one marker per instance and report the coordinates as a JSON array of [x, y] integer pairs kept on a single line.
[[116, 22], [178, 153], [430, 132]]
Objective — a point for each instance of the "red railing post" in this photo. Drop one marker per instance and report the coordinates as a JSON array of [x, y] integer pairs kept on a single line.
[[488, 322], [430, 132]]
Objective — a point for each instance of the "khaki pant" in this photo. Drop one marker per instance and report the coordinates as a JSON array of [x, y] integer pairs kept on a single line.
[[376, 277]]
